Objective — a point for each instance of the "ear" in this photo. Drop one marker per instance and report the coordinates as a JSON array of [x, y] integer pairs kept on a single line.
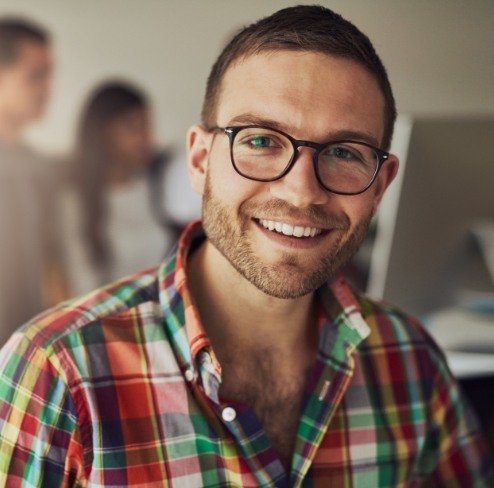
[[198, 146], [386, 175]]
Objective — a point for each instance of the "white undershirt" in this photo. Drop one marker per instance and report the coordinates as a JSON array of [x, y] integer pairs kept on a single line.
[[137, 240]]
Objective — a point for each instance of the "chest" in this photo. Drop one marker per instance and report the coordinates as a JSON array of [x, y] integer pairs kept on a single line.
[[276, 399]]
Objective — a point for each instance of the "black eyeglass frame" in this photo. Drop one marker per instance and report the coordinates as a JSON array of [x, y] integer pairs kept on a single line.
[[232, 132]]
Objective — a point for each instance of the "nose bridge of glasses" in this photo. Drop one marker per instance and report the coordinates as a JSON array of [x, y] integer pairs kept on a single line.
[[299, 144]]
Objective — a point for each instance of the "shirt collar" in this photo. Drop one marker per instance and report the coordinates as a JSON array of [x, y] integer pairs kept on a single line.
[[340, 308], [182, 322]]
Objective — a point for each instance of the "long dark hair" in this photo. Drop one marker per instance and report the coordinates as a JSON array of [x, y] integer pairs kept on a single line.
[[108, 102]]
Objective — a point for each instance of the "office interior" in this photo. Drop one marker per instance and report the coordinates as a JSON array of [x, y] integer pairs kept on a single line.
[[440, 60]]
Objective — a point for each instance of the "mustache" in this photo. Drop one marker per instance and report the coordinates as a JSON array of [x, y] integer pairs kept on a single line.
[[279, 209]]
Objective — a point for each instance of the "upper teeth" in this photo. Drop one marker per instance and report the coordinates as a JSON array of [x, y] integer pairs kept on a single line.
[[290, 230]]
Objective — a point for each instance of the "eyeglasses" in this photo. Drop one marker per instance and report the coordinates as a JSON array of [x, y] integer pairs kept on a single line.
[[264, 154]]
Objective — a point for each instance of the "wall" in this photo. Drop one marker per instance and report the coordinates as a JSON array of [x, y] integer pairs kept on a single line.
[[439, 54]]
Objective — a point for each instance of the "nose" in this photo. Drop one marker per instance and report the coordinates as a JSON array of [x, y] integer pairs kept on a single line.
[[300, 187]]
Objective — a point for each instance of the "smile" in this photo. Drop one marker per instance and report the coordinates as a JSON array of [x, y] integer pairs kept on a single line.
[[290, 230]]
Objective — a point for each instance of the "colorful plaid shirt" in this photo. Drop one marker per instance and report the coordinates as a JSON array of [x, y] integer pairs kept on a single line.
[[120, 388]]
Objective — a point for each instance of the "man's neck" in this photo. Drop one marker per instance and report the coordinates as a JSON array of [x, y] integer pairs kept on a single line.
[[237, 314]]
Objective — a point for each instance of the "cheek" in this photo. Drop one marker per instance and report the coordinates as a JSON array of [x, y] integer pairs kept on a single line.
[[125, 142], [226, 183], [14, 88], [231, 190], [27, 84], [358, 208]]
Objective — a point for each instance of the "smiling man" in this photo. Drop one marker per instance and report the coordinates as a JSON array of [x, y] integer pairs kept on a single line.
[[245, 359]]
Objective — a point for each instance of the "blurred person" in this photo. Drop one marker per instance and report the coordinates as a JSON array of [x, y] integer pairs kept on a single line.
[[245, 359], [28, 253], [118, 178]]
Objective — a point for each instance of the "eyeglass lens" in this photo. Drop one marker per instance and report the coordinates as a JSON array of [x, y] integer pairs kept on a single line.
[[264, 154]]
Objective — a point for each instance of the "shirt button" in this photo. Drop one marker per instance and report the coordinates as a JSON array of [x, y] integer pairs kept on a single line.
[[228, 414], [189, 374]]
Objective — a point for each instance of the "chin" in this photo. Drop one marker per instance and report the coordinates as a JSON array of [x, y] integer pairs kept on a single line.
[[286, 280]]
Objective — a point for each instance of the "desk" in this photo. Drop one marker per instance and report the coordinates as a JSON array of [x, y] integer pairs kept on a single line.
[[466, 365], [467, 338]]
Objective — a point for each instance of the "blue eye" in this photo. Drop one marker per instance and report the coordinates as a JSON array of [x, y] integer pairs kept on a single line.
[[341, 153], [260, 141]]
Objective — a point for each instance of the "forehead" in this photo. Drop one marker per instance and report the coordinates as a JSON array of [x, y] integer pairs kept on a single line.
[[309, 94], [132, 116]]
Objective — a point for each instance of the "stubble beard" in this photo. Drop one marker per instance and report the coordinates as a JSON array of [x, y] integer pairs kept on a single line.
[[288, 278]]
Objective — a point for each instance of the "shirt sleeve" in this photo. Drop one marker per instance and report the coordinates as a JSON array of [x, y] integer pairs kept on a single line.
[[454, 453], [39, 435]]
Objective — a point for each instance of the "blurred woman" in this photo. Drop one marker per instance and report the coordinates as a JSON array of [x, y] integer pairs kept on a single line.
[[118, 223]]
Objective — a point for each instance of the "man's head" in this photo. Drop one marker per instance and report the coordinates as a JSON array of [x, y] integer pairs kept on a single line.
[[25, 70], [313, 75], [303, 28]]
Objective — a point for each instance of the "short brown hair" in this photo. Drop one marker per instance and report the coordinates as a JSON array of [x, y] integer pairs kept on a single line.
[[302, 28], [14, 31]]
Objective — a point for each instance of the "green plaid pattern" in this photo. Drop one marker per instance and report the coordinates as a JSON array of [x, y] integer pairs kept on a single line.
[[120, 388]]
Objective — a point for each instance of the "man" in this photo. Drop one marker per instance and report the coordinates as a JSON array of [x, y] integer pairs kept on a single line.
[[27, 238], [237, 363]]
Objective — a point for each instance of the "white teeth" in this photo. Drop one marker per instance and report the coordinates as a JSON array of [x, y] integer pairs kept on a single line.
[[287, 229], [290, 230]]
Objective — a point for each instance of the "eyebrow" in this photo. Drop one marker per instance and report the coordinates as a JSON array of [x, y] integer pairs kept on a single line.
[[339, 135]]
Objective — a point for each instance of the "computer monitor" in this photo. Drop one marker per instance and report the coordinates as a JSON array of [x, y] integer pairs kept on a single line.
[[424, 254]]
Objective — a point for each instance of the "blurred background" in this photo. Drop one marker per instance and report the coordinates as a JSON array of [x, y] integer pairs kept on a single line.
[[439, 54], [431, 248]]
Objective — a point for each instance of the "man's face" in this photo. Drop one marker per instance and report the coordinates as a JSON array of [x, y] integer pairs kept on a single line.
[[310, 96], [25, 84]]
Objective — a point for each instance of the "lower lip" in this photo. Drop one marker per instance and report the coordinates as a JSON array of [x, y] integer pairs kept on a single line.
[[291, 241]]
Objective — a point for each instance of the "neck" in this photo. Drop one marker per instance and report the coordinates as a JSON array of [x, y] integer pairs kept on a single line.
[[235, 312]]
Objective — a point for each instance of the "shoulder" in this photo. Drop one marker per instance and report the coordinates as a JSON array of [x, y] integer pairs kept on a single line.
[[61, 327], [401, 335], [393, 323], [60, 355]]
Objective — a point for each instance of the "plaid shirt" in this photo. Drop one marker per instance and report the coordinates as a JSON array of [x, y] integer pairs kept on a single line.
[[120, 388]]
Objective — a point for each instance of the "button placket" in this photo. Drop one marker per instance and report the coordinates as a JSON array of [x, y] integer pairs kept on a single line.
[[189, 374]]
